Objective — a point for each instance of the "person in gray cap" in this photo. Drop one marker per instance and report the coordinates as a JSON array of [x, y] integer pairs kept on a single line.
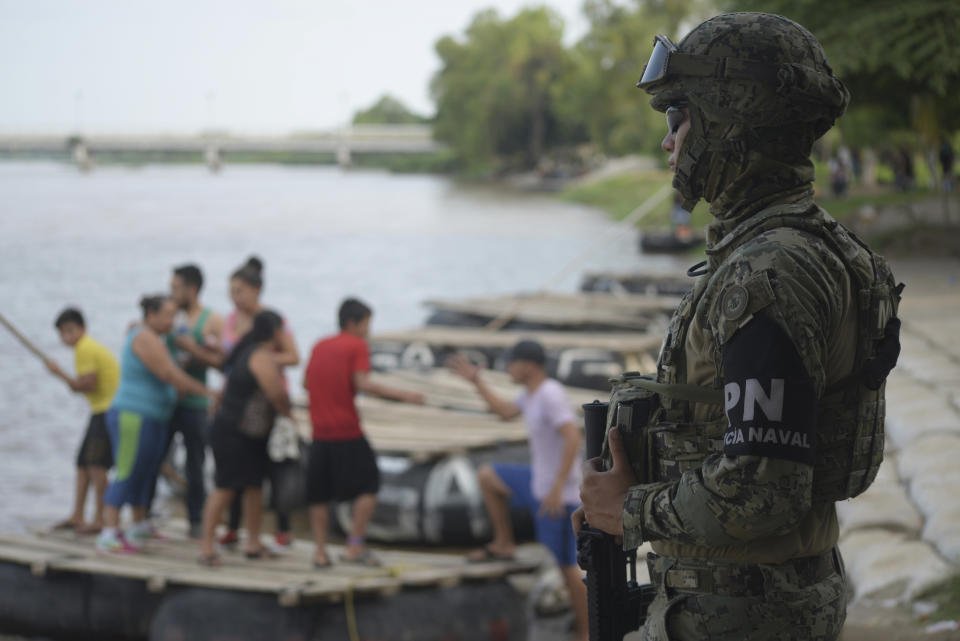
[[549, 486]]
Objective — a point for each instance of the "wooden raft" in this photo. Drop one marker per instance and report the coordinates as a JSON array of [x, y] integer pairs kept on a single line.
[[627, 343], [632, 312], [454, 421], [636, 283], [172, 562]]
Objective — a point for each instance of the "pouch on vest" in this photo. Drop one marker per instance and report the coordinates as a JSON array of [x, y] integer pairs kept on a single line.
[[635, 404], [630, 410]]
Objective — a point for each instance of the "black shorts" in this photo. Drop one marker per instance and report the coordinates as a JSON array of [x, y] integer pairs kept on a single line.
[[96, 449], [241, 461], [341, 471]]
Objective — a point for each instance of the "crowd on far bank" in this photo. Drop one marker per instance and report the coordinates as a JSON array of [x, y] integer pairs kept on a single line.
[[846, 168], [159, 388]]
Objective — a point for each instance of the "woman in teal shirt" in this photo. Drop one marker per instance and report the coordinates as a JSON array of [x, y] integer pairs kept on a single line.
[[137, 422]]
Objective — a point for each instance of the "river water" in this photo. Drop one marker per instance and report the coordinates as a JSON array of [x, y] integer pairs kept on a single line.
[[101, 240]]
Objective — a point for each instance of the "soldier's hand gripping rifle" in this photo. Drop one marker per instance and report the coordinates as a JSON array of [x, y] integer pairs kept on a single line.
[[616, 603]]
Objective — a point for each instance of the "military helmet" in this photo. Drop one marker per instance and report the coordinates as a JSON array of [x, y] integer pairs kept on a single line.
[[756, 68], [751, 81]]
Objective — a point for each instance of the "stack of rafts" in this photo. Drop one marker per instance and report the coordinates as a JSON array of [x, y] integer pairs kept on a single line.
[[428, 455], [589, 336]]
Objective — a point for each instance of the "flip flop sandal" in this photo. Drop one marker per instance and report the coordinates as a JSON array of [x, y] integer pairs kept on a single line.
[[322, 565], [64, 525], [261, 554], [210, 560], [365, 558], [486, 555]]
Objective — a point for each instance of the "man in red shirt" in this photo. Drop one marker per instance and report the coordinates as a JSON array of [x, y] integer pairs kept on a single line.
[[341, 465]]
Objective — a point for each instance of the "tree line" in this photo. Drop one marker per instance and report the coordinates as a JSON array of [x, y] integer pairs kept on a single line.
[[511, 93]]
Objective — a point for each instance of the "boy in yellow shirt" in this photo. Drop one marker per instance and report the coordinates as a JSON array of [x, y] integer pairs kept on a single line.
[[97, 376]]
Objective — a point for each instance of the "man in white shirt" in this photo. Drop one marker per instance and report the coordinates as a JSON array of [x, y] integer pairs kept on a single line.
[[549, 486]]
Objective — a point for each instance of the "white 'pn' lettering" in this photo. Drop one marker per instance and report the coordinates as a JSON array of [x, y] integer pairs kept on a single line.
[[732, 391], [772, 405]]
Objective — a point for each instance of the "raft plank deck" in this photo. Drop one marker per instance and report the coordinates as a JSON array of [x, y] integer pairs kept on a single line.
[[172, 562], [454, 421], [621, 342], [636, 283], [630, 311]]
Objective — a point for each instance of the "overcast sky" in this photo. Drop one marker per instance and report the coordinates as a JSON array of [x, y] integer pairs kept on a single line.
[[179, 66]]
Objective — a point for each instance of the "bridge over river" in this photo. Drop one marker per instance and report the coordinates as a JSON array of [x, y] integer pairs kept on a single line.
[[342, 144]]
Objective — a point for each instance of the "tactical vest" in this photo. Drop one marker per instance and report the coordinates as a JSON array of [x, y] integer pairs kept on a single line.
[[654, 413]]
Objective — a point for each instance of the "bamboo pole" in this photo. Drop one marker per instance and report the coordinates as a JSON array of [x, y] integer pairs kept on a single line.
[[23, 339]]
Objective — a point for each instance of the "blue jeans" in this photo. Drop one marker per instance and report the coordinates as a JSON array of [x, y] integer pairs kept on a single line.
[[192, 425]]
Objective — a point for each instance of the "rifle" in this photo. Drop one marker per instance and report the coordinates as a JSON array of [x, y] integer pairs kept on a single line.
[[616, 603]]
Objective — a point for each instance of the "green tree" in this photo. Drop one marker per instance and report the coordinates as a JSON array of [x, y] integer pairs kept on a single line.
[[496, 91], [388, 111], [608, 62], [901, 60]]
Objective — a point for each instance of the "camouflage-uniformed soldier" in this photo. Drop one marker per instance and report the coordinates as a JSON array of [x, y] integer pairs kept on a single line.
[[767, 403]]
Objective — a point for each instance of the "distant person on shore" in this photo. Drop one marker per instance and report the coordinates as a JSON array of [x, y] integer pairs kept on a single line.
[[680, 220], [254, 396], [195, 344], [246, 284], [341, 464], [549, 488], [97, 376], [947, 157], [838, 176], [138, 421]]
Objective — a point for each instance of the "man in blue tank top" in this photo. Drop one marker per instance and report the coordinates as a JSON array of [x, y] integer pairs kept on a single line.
[[194, 345]]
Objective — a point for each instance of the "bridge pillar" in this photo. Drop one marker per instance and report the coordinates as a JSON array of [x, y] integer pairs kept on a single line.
[[212, 157], [81, 156], [344, 158]]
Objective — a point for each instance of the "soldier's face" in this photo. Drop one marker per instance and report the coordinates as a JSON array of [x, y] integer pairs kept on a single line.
[[678, 124]]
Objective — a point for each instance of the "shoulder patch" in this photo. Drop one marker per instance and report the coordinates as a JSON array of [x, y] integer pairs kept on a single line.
[[734, 303], [739, 302]]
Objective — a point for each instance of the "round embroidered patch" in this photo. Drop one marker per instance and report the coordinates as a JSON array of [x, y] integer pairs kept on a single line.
[[734, 302]]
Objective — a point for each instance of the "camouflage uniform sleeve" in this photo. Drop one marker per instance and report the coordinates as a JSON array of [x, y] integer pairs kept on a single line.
[[773, 371], [728, 500]]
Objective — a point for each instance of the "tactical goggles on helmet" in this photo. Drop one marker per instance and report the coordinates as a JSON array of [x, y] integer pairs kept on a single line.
[[656, 68], [668, 61]]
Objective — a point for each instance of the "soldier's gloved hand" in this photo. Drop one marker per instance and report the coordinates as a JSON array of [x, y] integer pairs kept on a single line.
[[603, 493]]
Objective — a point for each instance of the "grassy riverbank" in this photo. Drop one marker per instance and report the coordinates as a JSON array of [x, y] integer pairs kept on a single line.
[[620, 195]]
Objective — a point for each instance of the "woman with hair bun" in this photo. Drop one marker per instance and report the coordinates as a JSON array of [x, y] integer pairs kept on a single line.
[[137, 423], [246, 284], [254, 396]]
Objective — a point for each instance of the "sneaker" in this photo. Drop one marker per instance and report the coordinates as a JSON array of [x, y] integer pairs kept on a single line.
[[283, 539], [229, 540], [136, 538], [195, 531], [153, 533], [142, 533], [114, 544]]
